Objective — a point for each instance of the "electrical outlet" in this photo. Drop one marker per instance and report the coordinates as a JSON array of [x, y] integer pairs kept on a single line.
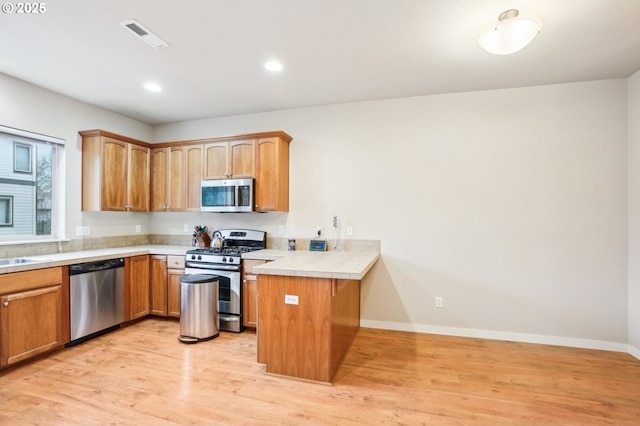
[[281, 229], [349, 231], [138, 230], [439, 302], [186, 228], [319, 231], [290, 299], [79, 231]]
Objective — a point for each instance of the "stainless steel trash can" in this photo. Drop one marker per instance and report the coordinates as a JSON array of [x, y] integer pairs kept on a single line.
[[198, 308]]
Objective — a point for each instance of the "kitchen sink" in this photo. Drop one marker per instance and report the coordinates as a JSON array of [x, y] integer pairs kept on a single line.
[[20, 260]]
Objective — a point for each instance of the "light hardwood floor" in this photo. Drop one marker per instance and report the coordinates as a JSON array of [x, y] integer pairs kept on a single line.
[[141, 375]]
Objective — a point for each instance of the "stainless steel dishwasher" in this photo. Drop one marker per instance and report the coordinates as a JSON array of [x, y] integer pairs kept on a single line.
[[96, 298]]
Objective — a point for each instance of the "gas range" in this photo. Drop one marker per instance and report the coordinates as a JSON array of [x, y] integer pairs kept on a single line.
[[226, 264], [235, 242]]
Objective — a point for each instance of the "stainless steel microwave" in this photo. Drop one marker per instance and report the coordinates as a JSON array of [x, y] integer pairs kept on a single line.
[[226, 195]]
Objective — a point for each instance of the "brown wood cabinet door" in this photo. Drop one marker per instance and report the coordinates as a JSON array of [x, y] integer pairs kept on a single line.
[[114, 174], [173, 281], [138, 175], [272, 175], [250, 293], [158, 283], [31, 323], [194, 174], [137, 286], [242, 159], [159, 179], [177, 179], [216, 160]]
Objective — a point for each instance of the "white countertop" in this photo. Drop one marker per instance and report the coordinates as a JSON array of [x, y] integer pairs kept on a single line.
[[61, 259], [333, 264]]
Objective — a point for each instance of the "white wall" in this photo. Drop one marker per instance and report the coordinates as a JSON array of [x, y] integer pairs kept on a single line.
[[634, 214], [510, 204], [28, 107]]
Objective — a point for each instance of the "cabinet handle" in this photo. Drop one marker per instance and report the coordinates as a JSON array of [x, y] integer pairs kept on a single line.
[[6, 304]]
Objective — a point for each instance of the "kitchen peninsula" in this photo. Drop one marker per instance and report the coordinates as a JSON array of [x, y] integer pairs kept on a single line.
[[308, 310]]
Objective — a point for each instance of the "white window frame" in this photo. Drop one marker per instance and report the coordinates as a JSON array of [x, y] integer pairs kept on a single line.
[[17, 145], [9, 198], [57, 190]]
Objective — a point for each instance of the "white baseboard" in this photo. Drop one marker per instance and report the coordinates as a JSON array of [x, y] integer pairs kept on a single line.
[[633, 351], [503, 335]]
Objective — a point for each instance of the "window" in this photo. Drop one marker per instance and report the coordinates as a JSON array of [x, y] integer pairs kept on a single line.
[[31, 186], [6, 210], [21, 158]]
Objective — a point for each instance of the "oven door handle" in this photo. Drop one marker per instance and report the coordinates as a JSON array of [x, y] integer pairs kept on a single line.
[[216, 268]]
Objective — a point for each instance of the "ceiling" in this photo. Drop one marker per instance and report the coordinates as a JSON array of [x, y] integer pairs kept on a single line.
[[333, 51]]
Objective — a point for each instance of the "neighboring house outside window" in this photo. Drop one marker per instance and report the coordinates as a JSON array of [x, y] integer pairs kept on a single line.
[[6, 210], [31, 186], [22, 158]]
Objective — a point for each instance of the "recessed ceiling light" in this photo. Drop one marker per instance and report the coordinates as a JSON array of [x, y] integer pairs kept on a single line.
[[273, 66], [153, 87]]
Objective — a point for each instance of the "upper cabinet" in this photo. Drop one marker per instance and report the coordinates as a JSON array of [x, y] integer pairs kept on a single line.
[[272, 174], [194, 174], [226, 160], [120, 173], [115, 173]]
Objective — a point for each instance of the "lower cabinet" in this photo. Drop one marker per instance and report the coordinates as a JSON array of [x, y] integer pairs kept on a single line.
[[34, 313], [173, 293], [136, 287], [250, 292], [158, 284], [165, 273]]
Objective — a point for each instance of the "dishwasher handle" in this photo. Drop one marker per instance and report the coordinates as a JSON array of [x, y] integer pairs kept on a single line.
[[98, 265]]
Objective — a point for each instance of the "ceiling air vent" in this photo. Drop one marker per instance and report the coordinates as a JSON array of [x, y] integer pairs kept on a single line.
[[143, 33]]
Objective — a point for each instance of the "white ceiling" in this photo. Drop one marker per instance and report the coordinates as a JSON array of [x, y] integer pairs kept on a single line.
[[333, 51]]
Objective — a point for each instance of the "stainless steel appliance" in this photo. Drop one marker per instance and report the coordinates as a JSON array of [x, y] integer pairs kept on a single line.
[[96, 293], [226, 195], [225, 262], [198, 308]]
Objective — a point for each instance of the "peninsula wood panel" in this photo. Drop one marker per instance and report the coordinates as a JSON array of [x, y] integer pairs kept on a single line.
[[307, 340], [345, 318]]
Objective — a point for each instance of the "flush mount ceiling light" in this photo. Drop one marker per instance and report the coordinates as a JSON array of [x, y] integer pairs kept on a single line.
[[510, 34], [273, 66]]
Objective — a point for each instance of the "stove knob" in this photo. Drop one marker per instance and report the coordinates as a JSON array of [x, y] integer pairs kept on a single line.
[[224, 259], [199, 257], [193, 257]]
